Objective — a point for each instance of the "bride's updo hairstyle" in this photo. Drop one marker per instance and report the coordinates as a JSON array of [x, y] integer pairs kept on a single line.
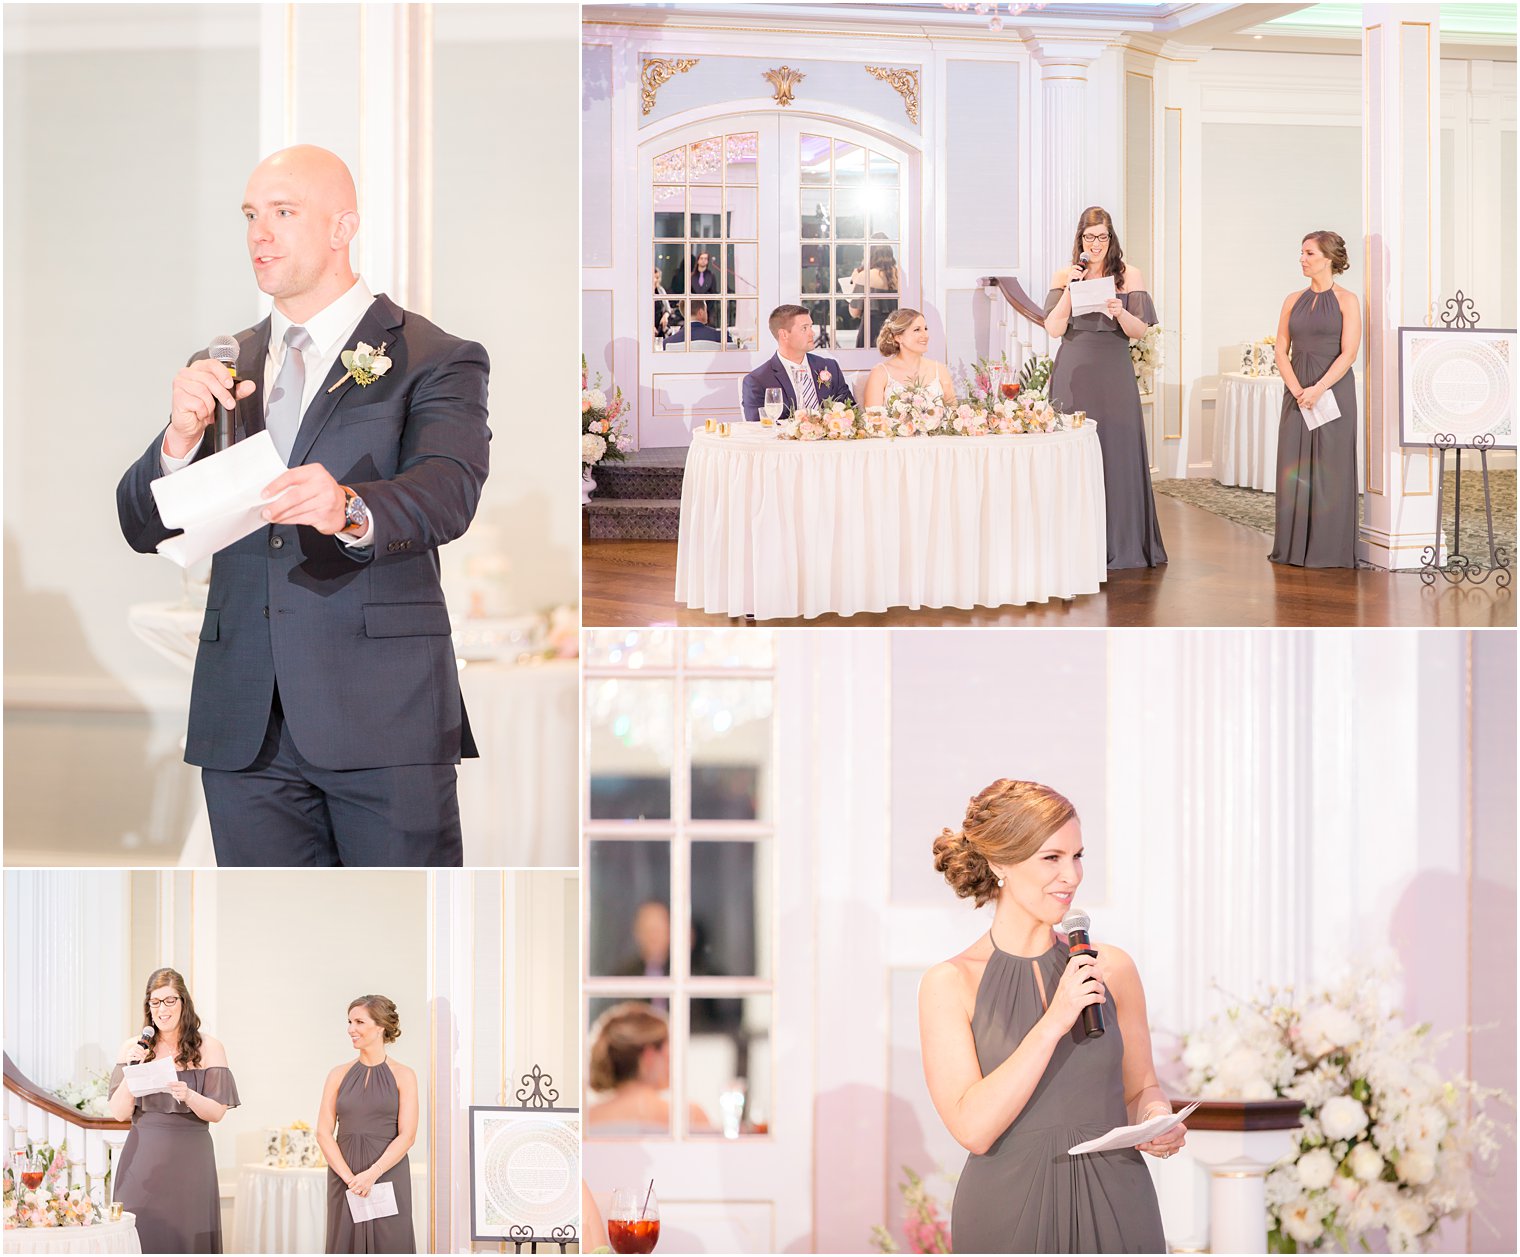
[[1008, 822], [898, 322]]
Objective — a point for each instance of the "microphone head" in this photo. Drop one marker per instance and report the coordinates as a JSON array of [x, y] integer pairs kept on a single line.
[[224, 349], [1076, 920], [1084, 259]]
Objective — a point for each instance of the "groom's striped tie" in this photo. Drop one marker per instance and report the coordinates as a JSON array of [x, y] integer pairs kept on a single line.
[[807, 395]]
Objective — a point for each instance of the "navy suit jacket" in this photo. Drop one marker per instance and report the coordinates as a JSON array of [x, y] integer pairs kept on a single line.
[[696, 331], [358, 640], [772, 374]]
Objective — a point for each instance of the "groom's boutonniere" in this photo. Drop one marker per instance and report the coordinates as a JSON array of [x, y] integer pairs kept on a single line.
[[825, 376], [364, 364]]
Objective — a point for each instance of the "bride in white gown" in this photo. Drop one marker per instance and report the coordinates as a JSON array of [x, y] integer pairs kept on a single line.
[[903, 340]]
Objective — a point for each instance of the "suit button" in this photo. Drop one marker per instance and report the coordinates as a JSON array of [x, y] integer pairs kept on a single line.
[[276, 542], [266, 613]]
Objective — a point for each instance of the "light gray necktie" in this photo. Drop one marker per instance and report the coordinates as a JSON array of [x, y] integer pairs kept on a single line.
[[282, 414], [807, 395]]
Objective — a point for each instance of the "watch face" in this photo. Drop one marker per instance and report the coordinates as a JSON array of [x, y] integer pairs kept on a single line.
[[358, 513]]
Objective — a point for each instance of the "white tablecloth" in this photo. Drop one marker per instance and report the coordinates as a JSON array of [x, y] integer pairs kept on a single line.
[[779, 528], [108, 1237], [517, 803], [285, 1210], [1245, 430]]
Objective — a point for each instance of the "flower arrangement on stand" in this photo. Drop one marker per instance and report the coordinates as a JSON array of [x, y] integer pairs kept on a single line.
[[1387, 1145], [925, 1229], [1145, 356], [604, 427], [88, 1094], [52, 1204]]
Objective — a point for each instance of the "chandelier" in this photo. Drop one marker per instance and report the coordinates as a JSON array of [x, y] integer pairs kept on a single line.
[[990, 11]]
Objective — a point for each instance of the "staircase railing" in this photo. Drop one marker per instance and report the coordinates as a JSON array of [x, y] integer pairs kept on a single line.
[[35, 1116], [1017, 324]]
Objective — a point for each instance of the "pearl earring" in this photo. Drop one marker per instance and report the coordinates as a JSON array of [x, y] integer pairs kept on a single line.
[[1000, 883]]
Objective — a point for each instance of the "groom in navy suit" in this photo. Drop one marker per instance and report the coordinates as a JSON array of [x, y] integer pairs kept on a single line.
[[325, 713], [793, 370]]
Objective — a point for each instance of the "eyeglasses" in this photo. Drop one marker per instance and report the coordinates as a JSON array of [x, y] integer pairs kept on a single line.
[[1090, 239], [169, 1001]]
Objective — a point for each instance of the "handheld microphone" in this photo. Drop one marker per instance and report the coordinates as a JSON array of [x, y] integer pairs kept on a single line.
[[224, 349], [145, 1039], [1075, 925]]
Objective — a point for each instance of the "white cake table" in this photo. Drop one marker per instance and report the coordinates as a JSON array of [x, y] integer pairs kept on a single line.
[[284, 1210], [1245, 430], [108, 1237]]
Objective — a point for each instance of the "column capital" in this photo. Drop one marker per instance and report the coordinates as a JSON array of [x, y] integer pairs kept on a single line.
[[1064, 55]]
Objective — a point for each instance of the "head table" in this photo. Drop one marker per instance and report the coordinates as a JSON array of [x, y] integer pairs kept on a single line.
[[774, 528], [108, 1237]]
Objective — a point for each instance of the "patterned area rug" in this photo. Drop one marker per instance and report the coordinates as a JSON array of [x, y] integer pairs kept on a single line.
[[1257, 510]]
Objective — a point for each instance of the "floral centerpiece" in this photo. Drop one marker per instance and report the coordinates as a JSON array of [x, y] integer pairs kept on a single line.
[[925, 1229], [52, 1204], [1386, 1144], [90, 1094], [1145, 356], [990, 380], [604, 425]]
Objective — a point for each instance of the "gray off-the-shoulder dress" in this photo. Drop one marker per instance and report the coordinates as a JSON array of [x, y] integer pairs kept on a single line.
[[1094, 372], [167, 1172], [1025, 1194], [369, 1113]]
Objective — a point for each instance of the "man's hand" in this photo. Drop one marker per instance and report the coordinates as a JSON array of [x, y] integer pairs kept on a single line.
[[198, 390], [314, 498]]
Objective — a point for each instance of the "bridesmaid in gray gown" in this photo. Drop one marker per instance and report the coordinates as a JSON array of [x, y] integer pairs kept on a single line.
[[1009, 1070], [166, 1176], [1094, 372], [1318, 334], [367, 1123]]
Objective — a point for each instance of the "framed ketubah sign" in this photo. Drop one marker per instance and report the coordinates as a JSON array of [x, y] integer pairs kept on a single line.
[[1457, 387], [525, 1168]]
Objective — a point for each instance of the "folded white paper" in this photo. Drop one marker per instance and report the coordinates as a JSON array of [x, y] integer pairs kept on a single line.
[[1091, 296], [217, 499], [1133, 1136], [151, 1078], [380, 1203], [1319, 414]]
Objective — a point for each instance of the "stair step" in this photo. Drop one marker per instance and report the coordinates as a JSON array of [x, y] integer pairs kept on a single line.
[[633, 519], [632, 480]]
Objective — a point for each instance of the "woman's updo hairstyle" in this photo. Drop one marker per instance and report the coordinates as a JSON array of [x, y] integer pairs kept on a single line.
[[1333, 247], [383, 1013], [618, 1040], [1008, 822], [896, 323]]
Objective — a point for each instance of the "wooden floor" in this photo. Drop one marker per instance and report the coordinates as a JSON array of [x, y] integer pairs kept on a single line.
[[1218, 576]]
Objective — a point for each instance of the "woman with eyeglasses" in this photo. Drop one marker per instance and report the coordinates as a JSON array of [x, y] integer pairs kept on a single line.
[[1094, 372], [366, 1126], [166, 1176]]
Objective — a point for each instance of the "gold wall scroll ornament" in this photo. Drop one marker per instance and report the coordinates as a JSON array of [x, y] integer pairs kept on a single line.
[[784, 81], [655, 72], [902, 81]]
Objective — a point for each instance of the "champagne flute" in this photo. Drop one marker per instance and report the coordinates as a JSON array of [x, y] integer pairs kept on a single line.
[[633, 1222], [774, 403]]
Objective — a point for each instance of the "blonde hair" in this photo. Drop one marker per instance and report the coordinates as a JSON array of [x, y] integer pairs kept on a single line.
[[1008, 822], [618, 1040], [898, 322]]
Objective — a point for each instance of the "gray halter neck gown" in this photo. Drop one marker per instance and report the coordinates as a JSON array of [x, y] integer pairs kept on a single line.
[[1316, 471], [369, 1111], [1025, 1194], [167, 1172], [1094, 372]]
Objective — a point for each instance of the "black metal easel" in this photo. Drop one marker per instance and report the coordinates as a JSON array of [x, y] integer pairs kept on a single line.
[[536, 1095]]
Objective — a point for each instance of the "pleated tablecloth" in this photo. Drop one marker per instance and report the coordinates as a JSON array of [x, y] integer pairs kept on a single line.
[[108, 1237], [283, 1209], [775, 529], [1245, 430]]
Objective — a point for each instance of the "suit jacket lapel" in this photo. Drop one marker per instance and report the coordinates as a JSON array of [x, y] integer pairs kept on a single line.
[[378, 325], [252, 351], [784, 380]]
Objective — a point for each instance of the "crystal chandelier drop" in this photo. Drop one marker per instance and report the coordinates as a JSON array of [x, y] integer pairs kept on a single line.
[[990, 11]]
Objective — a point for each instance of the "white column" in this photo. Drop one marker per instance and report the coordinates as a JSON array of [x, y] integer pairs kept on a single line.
[[1062, 128], [1237, 1163], [1401, 159], [357, 78], [451, 1033]]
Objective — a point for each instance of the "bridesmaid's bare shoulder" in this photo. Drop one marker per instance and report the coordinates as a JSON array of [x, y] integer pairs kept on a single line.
[[1058, 280], [402, 1071], [1347, 298], [1134, 281], [213, 1054], [958, 977], [124, 1052]]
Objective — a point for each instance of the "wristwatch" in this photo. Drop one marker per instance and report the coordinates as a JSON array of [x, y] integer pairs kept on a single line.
[[355, 513]]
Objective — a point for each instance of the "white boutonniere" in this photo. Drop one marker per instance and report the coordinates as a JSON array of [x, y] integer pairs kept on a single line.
[[363, 364], [825, 376]]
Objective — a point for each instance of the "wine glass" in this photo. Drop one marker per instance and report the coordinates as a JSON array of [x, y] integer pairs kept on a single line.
[[633, 1222], [32, 1169], [773, 404]]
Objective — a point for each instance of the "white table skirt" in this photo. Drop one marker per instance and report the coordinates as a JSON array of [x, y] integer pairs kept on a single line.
[[1245, 430], [285, 1210], [517, 803], [778, 528], [108, 1237]]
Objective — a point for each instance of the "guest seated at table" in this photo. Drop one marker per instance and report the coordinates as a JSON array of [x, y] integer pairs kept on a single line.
[[367, 1122], [667, 313], [903, 341], [166, 1175], [806, 380], [630, 1065], [696, 328]]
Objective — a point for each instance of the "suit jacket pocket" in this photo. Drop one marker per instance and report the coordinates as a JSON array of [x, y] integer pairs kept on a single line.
[[390, 408], [211, 626], [406, 619]]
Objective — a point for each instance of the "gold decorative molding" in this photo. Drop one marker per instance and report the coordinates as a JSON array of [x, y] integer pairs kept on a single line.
[[785, 81], [655, 72], [902, 81]]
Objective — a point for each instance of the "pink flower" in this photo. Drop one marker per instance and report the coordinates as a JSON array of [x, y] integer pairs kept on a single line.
[[585, 404], [825, 376]]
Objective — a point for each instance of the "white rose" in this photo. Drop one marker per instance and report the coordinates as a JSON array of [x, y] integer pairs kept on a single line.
[[592, 448], [1372, 1207], [1410, 1218], [1365, 1162], [1301, 1220], [1241, 1069], [1416, 1167], [1316, 1168], [1342, 1118], [1328, 1027], [597, 398]]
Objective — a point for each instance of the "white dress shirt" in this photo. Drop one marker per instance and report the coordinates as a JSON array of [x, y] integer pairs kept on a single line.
[[331, 331], [799, 371]]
